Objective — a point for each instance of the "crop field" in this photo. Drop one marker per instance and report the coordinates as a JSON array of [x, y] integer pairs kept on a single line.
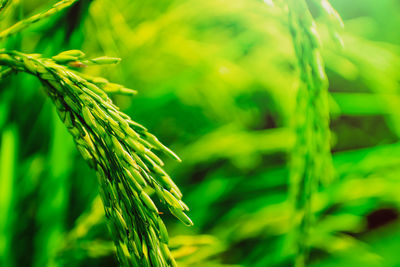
[[196, 133]]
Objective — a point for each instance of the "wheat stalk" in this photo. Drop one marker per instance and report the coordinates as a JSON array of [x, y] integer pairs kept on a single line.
[[119, 149]]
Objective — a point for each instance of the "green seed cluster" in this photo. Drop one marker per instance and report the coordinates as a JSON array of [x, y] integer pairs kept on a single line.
[[75, 59], [121, 152], [311, 157]]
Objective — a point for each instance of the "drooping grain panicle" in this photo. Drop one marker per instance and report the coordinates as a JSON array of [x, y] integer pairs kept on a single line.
[[121, 152], [311, 160], [21, 25]]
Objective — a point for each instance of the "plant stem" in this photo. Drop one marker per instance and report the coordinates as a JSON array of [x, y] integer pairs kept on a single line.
[[21, 25]]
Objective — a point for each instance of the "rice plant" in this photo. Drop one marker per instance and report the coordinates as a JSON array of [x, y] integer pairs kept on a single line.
[[279, 167], [311, 157], [117, 148]]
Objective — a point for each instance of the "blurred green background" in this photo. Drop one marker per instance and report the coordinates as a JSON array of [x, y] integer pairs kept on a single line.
[[217, 82]]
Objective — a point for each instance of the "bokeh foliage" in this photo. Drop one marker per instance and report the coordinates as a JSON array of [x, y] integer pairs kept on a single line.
[[217, 83]]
